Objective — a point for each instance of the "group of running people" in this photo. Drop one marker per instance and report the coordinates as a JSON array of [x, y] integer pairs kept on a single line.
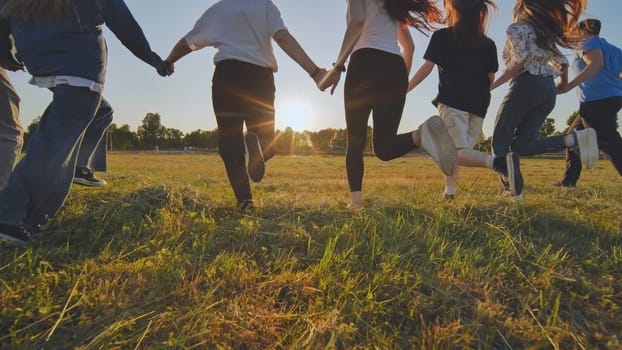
[[378, 48]]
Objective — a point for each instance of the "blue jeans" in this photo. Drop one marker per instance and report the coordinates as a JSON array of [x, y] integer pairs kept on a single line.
[[41, 181], [93, 149], [529, 101]]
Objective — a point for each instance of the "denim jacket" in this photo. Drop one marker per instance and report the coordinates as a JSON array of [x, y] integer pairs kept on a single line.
[[76, 46]]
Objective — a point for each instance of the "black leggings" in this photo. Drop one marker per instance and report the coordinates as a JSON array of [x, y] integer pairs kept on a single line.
[[377, 82], [602, 116], [242, 93]]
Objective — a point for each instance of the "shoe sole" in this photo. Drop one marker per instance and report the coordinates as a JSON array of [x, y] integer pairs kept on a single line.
[[255, 164], [12, 240], [514, 175], [444, 147], [85, 182], [588, 147]]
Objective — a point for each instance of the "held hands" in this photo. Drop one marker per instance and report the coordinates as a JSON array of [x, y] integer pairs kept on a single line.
[[163, 68], [563, 88], [328, 79]]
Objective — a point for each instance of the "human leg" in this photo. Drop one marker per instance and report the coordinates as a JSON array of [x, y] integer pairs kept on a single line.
[[41, 181], [92, 154], [231, 150], [11, 132], [602, 116]]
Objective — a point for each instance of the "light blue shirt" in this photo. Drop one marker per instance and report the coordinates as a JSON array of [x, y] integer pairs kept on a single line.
[[606, 83]]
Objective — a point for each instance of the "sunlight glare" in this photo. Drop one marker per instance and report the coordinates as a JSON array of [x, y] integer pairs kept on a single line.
[[295, 113]]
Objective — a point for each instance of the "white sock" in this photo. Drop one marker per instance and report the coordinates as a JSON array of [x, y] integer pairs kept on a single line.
[[450, 190]]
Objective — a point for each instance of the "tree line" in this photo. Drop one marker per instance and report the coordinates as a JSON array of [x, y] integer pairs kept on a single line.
[[152, 135]]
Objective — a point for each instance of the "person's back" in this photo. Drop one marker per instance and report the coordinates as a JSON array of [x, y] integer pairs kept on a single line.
[[606, 82], [464, 81], [379, 31], [79, 34], [239, 29]]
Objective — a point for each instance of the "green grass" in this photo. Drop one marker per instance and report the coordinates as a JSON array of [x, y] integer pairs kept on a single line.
[[159, 259]]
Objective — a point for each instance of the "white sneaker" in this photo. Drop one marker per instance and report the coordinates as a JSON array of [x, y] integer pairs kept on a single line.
[[435, 140], [587, 147]]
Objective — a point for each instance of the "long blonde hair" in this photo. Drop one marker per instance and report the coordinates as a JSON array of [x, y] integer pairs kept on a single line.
[[555, 21], [39, 11]]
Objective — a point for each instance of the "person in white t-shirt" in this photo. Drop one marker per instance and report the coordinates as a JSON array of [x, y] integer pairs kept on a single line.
[[377, 81], [243, 83]]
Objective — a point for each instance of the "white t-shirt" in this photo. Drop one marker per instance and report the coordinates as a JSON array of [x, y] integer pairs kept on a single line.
[[240, 30], [379, 30]]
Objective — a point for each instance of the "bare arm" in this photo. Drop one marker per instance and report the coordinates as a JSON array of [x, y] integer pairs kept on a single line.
[[594, 60], [293, 49], [180, 50], [507, 75], [356, 20], [408, 45], [421, 74]]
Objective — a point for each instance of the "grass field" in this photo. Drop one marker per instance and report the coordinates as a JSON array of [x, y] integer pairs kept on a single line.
[[159, 259]]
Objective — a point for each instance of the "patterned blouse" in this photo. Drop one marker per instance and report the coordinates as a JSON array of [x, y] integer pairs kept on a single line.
[[521, 45]]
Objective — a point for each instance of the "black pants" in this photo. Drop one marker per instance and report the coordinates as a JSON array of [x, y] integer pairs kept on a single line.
[[242, 93], [602, 116], [377, 82]]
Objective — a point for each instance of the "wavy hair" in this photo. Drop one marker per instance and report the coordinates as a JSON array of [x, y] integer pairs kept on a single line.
[[420, 14], [468, 19], [39, 11], [554, 21]]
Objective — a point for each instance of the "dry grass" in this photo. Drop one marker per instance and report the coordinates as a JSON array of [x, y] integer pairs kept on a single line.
[[159, 259]]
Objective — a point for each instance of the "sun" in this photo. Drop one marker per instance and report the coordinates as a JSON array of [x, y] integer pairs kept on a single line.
[[295, 113]]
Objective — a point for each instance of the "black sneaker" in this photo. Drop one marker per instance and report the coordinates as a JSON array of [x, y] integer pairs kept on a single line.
[[562, 184], [515, 177], [255, 164], [15, 234], [246, 206], [84, 176]]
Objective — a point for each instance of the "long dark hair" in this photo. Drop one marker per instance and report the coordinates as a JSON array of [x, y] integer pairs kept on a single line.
[[554, 21], [468, 20], [39, 11], [421, 14]]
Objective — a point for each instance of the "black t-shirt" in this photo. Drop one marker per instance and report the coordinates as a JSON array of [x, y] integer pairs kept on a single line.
[[463, 71]]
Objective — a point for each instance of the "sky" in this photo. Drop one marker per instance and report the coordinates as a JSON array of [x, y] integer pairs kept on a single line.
[[184, 99]]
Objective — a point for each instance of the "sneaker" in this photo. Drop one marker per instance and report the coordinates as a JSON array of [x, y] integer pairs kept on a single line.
[[435, 140], [515, 177], [84, 176], [15, 234], [562, 184], [449, 197], [254, 158], [246, 206], [586, 146]]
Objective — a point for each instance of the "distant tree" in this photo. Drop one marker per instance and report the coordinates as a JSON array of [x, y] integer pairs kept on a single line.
[[326, 140], [202, 139], [171, 139], [572, 117], [369, 145], [548, 128], [122, 138], [151, 132], [284, 143], [30, 130]]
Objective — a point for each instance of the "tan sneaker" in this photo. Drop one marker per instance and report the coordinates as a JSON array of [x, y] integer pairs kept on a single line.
[[435, 140]]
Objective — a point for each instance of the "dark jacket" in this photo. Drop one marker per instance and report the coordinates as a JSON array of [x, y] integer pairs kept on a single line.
[[76, 46]]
